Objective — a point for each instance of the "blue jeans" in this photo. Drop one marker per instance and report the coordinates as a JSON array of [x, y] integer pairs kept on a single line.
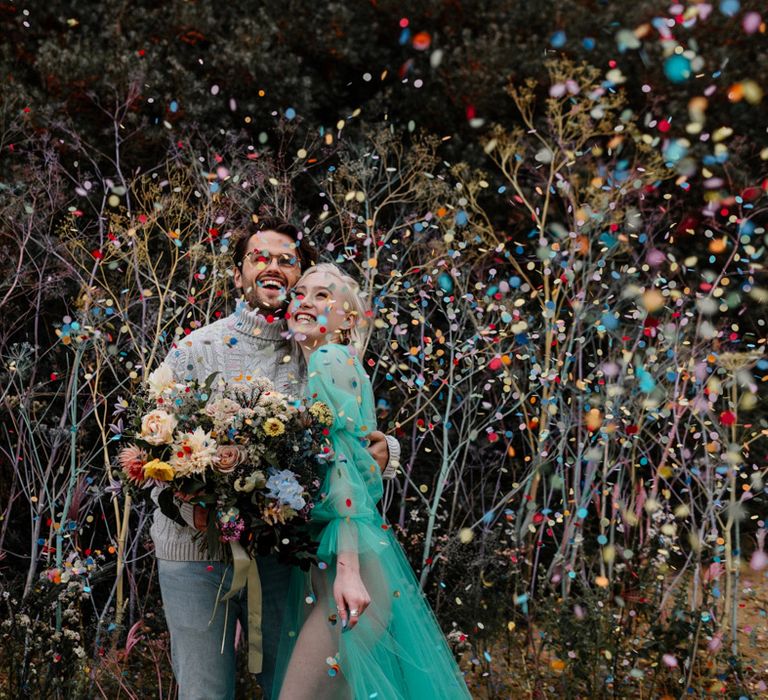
[[203, 671]]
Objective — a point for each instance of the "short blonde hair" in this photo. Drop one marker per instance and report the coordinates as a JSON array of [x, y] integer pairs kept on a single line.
[[354, 300]]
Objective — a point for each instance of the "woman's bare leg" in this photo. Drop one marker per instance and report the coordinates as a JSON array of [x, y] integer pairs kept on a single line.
[[307, 674]]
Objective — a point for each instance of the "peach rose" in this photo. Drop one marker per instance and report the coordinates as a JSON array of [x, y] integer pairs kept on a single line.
[[227, 458], [157, 427]]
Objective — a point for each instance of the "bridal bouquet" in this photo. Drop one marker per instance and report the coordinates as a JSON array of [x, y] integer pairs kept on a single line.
[[245, 451]]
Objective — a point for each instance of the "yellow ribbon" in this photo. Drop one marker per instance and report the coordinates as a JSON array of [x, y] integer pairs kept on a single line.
[[246, 572]]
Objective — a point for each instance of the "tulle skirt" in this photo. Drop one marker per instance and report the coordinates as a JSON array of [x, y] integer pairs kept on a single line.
[[397, 650]]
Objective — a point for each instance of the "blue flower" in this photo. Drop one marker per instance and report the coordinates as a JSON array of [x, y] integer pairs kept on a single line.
[[284, 487]]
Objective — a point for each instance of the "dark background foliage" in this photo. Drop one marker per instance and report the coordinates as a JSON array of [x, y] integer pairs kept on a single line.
[[126, 92]]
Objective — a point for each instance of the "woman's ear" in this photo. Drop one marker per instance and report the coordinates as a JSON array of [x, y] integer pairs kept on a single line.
[[349, 322]]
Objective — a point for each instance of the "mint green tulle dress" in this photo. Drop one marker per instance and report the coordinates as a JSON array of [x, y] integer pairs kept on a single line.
[[397, 650]]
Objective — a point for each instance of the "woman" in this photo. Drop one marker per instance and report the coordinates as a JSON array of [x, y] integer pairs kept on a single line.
[[358, 625]]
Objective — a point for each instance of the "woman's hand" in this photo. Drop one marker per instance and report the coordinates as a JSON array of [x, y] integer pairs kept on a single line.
[[350, 594]]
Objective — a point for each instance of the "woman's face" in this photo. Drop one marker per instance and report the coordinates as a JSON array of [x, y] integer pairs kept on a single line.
[[317, 313]]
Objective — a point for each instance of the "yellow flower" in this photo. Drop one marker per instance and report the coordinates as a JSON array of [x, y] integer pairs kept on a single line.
[[162, 471], [273, 427], [321, 412]]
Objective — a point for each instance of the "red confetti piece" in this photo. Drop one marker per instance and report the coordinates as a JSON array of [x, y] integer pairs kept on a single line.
[[422, 41], [727, 418]]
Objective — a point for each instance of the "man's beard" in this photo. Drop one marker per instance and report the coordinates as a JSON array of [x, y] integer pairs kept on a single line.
[[254, 303]]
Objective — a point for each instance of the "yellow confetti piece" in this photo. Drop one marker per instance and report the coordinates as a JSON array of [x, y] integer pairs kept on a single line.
[[594, 419], [653, 300]]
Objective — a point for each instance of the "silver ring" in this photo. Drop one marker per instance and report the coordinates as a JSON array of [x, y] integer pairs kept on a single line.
[[354, 612]]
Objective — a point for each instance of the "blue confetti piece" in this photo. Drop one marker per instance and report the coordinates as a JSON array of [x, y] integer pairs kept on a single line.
[[677, 68], [558, 39], [730, 8], [746, 228], [445, 282]]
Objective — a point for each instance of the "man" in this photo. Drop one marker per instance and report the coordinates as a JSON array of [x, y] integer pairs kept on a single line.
[[251, 342]]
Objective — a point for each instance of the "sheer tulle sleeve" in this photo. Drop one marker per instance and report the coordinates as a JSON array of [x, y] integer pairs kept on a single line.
[[346, 508]]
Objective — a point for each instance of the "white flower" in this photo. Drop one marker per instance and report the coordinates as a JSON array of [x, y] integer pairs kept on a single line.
[[223, 411], [194, 453], [160, 381], [272, 398]]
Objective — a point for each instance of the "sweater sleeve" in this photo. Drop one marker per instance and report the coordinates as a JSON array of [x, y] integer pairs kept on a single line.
[[178, 359]]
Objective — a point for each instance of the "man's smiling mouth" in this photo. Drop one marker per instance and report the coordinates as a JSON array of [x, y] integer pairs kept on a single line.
[[271, 283]]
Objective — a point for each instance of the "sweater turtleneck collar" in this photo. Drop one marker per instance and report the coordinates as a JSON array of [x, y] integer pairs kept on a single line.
[[251, 323]]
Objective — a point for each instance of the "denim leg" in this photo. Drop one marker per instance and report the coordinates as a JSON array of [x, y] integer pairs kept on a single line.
[[189, 593], [275, 578]]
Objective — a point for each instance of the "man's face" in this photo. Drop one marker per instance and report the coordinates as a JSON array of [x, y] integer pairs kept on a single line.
[[269, 271]]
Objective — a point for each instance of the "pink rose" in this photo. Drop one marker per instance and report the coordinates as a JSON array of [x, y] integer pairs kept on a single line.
[[227, 458], [157, 427]]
